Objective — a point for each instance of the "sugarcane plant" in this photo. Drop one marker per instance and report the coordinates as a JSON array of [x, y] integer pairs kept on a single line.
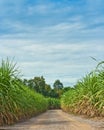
[[87, 96], [17, 101]]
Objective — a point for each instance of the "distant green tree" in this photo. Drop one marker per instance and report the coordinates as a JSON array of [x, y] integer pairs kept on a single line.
[[39, 85], [58, 88], [57, 85], [46, 91], [53, 94], [66, 89], [47, 87]]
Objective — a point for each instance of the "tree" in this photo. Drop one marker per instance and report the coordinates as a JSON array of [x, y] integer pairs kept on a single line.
[[67, 89], [39, 84], [58, 88], [47, 87], [57, 85], [53, 94]]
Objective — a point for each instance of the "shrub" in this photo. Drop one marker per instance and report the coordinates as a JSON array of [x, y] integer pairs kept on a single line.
[[53, 103]]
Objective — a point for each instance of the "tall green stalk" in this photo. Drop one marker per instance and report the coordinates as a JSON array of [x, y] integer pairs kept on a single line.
[[87, 97], [16, 100]]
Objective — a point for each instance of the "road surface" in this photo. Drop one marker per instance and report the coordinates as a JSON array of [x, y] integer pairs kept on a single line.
[[56, 120]]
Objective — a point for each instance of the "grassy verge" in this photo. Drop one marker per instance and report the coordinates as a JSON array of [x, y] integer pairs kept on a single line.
[[16, 100], [87, 96]]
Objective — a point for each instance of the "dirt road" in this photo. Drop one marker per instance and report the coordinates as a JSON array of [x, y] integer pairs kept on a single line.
[[57, 120]]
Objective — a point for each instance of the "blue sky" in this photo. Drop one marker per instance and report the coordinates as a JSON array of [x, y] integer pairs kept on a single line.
[[53, 38]]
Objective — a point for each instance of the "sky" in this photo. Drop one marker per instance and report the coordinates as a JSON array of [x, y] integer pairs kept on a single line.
[[52, 38]]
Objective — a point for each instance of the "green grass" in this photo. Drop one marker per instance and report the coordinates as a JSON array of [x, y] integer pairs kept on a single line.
[[16, 100], [19, 102], [87, 97]]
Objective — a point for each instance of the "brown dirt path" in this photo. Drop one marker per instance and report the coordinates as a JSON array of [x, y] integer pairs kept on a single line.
[[57, 120]]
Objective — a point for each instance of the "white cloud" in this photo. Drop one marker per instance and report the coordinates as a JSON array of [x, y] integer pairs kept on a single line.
[[54, 61], [58, 45], [42, 9], [48, 8]]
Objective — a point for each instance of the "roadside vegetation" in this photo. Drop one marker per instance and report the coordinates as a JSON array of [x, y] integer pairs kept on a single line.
[[53, 103], [21, 99], [39, 85], [87, 96], [17, 101]]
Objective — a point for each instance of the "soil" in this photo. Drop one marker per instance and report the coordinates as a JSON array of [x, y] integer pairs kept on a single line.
[[57, 120]]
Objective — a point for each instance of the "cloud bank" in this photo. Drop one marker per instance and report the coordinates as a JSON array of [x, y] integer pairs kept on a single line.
[[55, 39]]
